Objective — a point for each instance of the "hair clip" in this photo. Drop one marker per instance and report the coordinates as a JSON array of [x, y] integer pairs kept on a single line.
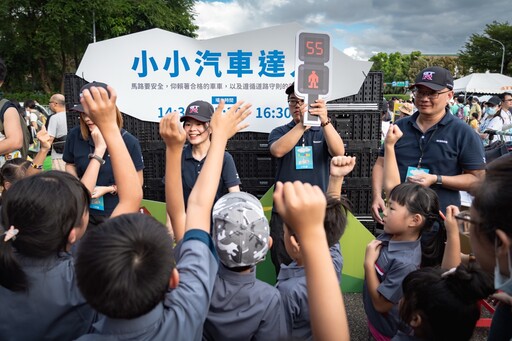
[[10, 234], [448, 272]]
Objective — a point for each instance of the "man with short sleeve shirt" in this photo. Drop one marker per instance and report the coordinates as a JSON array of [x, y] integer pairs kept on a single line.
[[437, 149], [57, 127], [303, 154]]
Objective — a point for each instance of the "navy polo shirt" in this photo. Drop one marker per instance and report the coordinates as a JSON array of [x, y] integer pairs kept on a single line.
[[449, 147], [77, 150], [190, 169], [286, 170]]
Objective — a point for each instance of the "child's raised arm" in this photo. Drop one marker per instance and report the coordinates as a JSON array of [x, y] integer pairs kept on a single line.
[[302, 208], [451, 256], [102, 110], [340, 167], [201, 198], [391, 172], [174, 137]]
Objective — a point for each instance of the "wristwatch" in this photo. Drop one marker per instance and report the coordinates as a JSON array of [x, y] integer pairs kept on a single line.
[[439, 180], [97, 158]]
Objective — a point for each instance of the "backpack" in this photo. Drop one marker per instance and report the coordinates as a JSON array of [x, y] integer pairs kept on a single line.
[[460, 112], [27, 135]]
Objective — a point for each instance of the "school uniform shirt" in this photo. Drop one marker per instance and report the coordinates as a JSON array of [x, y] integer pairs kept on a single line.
[[244, 308], [447, 148], [52, 309], [396, 260], [182, 313], [291, 283], [77, 152], [190, 169]]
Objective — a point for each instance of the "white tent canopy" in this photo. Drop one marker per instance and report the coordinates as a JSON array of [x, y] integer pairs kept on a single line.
[[486, 83]]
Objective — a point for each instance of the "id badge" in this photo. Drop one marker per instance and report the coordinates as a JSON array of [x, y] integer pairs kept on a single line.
[[413, 171], [97, 204], [303, 157]]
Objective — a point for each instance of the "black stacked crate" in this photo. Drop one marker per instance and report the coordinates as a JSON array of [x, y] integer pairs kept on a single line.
[[361, 133], [256, 167]]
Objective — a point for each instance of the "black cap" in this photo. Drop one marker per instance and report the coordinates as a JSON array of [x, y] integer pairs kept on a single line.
[[435, 78], [78, 108], [199, 110], [96, 84], [494, 100]]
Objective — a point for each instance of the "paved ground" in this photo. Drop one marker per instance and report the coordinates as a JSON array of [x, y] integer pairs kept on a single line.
[[357, 320]]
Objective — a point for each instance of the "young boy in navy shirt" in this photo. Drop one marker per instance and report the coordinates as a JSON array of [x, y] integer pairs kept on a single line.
[[292, 278], [126, 267]]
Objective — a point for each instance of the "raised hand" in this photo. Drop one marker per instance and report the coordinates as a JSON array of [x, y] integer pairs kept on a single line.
[[302, 206], [172, 131], [229, 123], [342, 165], [43, 137], [100, 107], [393, 135]]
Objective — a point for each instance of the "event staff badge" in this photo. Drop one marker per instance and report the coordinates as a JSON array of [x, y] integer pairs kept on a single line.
[[313, 68], [97, 204], [303, 157]]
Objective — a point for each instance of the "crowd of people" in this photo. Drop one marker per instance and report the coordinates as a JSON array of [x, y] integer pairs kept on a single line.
[[79, 261]]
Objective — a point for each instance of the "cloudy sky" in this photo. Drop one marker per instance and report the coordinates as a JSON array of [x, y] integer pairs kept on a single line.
[[361, 27]]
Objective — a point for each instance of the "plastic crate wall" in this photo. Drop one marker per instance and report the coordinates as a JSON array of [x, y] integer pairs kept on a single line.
[[358, 125], [365, 159], [254, 164], [360, 199], [154, 189], [371, 90]]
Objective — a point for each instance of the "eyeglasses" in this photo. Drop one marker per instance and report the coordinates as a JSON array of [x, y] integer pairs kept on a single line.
[[430, 95], [294, 102], [465, 221]]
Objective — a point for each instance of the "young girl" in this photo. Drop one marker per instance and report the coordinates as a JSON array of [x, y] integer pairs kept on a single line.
[[411, 210], [44, 215], [443, 305]]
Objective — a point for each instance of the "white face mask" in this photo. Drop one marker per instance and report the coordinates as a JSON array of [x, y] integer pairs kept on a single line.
[[501, 282]]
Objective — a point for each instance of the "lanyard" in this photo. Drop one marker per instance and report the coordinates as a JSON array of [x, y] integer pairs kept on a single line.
[[424, 147]]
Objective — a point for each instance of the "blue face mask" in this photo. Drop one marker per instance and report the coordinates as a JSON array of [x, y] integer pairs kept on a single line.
[[491, 111], [501, 282]]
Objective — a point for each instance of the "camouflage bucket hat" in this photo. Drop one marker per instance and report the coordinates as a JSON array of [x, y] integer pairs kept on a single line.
[[240, 230]]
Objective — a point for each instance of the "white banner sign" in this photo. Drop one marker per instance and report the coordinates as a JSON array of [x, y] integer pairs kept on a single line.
[[156, 72]]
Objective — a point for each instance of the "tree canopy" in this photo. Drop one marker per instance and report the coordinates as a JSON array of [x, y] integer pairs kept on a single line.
[[41, 40], [481, 53]]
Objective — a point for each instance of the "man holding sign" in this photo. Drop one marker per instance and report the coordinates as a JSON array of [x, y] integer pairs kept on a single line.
[[303, 154]]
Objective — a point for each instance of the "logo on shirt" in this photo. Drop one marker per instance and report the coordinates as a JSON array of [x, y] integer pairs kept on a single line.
[[317, 141], [442, 141]]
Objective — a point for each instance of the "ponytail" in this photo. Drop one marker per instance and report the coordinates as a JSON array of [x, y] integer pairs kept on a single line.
[[12, 276], [433, 241]]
